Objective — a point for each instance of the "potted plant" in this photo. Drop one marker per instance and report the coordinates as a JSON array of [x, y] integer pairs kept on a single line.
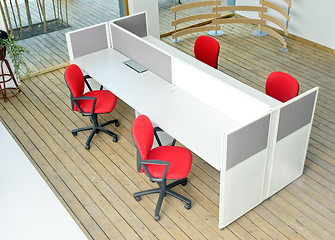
[[15, 53]]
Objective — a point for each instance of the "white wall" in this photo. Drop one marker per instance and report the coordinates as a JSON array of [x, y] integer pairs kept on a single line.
[[312, 20]]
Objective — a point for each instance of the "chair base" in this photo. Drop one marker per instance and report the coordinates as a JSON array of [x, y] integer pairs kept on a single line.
[[163, 190], [95, 129]]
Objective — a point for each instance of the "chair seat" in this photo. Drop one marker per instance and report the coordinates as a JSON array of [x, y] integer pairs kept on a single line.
[[105, 103], [180, 162]]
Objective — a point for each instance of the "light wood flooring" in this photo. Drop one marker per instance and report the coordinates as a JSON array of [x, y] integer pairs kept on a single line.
[[96, 186]]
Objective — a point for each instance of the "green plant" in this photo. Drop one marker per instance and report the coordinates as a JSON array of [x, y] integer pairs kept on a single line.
[[16, 54]]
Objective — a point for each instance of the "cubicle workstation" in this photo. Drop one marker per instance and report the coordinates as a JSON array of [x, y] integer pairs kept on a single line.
[[256, 142]]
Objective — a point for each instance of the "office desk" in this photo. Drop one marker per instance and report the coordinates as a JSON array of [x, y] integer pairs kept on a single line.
[[179, 114]]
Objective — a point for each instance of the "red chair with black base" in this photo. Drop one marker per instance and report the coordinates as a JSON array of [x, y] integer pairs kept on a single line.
[[90, 103], [160, 164], [281, 86], [206, 50]]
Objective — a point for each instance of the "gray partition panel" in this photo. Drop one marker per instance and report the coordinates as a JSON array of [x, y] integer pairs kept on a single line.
[[142, 52], [296, 115], [135, 24], [247, 141], [89, 40]]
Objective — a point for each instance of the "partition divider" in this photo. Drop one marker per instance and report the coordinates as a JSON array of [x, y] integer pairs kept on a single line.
[[295, 119], [136, 48], [88, 40], [245, 154]]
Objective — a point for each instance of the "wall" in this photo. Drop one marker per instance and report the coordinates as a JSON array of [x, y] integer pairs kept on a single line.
[[311, 20]]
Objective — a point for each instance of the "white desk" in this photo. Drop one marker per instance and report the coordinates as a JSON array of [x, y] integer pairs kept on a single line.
[[178, 113], [28, 208]]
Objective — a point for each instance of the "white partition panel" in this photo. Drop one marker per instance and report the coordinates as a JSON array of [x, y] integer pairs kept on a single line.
[[136, 24], [151, 8], [244, 159], [223, 97], [87, 40], [294, 127], [142, 52]]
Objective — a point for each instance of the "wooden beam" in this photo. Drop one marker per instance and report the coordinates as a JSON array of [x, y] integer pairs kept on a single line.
[[44, 71]]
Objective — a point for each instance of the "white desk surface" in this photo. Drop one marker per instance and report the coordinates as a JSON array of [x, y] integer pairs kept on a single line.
[[28, 207], [178, 113]]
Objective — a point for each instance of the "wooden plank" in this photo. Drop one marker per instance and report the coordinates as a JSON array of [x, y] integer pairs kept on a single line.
[[186, 6], [274, 34], [274, 20], [196, 17], [275, 7], [239, 20], [239, 8], [194, 30]]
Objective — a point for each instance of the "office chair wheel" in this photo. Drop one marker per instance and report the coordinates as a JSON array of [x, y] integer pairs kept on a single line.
[[74, 133], [117, 124], [87, 147], [157, 217], [188, 206], [114, 139], [184, 183], [137, 198]]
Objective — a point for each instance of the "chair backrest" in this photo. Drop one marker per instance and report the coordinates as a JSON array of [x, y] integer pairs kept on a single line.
[[143, 136], [206, 49], [75, 80], [281, 86]]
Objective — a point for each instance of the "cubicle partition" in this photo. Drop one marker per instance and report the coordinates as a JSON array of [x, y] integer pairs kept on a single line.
[[257, 143], [244, 160], [295, 119], [88, 40]]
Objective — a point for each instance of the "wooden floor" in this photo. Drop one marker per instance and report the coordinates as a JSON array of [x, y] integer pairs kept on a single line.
[[96, 186]]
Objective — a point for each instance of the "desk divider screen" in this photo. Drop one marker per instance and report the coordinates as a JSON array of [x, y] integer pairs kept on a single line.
[[245, 154], [296, 115], [291, 143], [142, 52], [136, 24], [88, 40], [247, 141]]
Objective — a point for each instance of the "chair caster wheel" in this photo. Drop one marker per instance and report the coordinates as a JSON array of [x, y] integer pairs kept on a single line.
[[157, 217], [97, 131], [184, 183], [87, 147], [114, 139], [137, 198], [188, 206], [117, 124], [74, 134]]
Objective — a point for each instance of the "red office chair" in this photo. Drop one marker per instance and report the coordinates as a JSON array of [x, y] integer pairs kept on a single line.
[[281, 86], [89, 104], [160, 163], [206, 49]]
